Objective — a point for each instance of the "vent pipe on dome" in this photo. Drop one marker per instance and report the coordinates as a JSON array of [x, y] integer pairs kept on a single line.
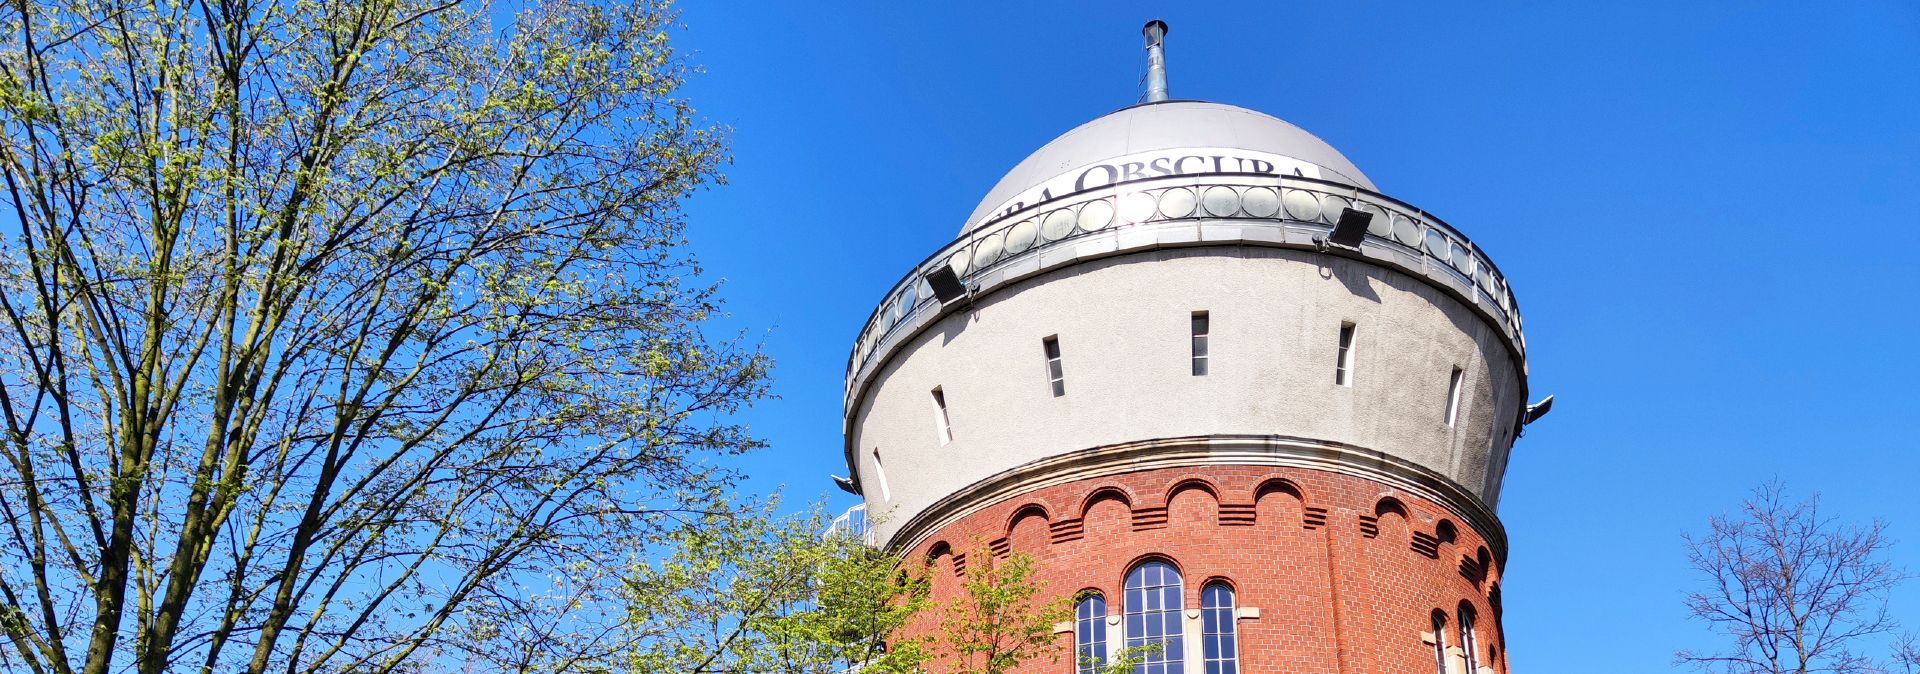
[[1156, 32]]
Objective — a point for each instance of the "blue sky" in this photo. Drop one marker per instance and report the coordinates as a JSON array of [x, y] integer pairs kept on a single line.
[[1710, 214]]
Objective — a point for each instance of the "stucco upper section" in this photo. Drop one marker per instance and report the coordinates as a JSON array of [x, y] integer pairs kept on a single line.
[[1123, 325], [1165, 126]]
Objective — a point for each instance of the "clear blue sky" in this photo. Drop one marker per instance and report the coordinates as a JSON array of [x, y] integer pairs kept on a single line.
[[1710, 214]]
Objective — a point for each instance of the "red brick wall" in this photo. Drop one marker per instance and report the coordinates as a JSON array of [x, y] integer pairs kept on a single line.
[[1346, 572]]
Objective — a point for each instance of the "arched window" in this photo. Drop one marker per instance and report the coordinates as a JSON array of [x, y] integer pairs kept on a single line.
[[1220, 643], [1467, 639], [1153, 617], [1090, 634], [1439, 642]]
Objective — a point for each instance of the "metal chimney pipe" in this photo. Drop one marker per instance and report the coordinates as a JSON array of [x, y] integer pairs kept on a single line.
[[1156, 32]]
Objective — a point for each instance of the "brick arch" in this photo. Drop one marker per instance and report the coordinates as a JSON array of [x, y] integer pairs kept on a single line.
[[938, 551], [1291, 513], [1220, 579], [1090, 591], [1389, 504], [1028, 530], [1192, 502], [1279, 485], [1030, 509], [1390, 520], [1466, 606], [1111, 491], [1153, 557], [1446, 532], [1193, 482]]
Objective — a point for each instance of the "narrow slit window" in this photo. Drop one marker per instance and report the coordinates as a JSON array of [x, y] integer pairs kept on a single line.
[[941, 425], [1343, 364], [1200, 330], [1468, 640], [1219, 639], [880, 471], [1453, 395], [1090, 634], [1439, 642], [1055, 377]]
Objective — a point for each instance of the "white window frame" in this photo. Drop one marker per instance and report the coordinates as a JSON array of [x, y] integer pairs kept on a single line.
[[942, 424], [1056, 367], [1230, 656], [880, 471], [1454, 383], [1201, 324], [1082, 624], [1469, 639], [1343, 360]]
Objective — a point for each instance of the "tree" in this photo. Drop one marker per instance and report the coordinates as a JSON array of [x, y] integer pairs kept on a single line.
[[748, 590], [1000, 618], [344, 335], [745, 589], [1793, 590]]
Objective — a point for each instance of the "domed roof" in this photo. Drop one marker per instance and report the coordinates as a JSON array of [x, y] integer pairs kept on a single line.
[[1142, 137]]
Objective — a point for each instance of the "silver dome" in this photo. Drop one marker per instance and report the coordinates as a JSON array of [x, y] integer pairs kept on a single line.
[[1170, 125]]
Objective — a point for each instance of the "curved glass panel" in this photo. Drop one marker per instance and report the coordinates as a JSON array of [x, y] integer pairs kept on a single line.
[[1262, 202]]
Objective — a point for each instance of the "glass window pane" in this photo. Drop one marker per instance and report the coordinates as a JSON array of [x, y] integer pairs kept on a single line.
[[1467, 640], [1090, 634], [1154, 593], [1218, 629]]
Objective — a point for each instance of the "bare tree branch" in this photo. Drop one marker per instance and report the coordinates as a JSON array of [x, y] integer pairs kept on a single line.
[[1792, 589]]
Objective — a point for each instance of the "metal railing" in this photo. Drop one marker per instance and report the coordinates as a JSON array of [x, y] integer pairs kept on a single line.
[[1292, 208], [854, 523]]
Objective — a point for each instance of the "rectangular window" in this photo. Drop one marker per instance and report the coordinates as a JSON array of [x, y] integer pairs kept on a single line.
[[1453, 395], [1055, 377], [1343, 364], [941, 425], [1200, 343], [880, 471]]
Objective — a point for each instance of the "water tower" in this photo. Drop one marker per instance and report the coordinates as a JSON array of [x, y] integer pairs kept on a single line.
[[1192, 359]]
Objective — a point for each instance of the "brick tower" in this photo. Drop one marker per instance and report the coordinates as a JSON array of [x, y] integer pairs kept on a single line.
[[1195, 362]]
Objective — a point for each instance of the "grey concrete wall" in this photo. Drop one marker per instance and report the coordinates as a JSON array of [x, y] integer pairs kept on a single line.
[[1123, 326]]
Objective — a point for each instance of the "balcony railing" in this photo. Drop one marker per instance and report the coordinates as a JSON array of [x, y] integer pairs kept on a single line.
[[1219, 209], [854, 523]]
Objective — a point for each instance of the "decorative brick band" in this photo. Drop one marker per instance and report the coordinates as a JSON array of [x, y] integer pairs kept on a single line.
[[1200, 451]]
